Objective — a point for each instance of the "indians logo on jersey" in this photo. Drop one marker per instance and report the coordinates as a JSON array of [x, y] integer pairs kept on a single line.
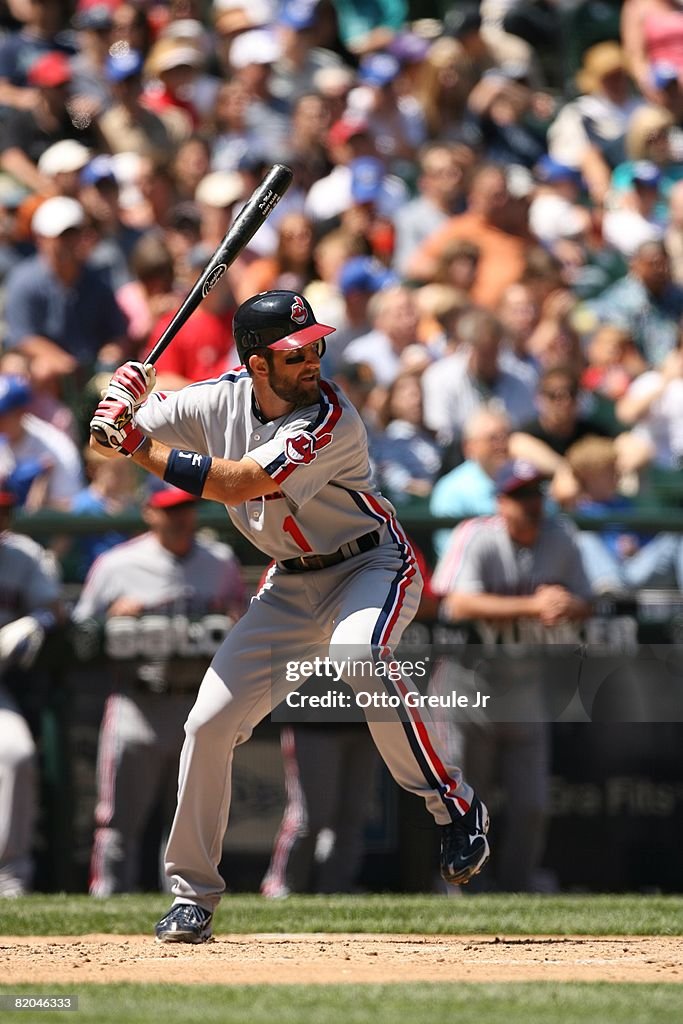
[[299, 312], [304, 447]]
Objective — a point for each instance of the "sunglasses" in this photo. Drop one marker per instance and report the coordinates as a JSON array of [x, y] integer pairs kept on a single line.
[[300, 355]]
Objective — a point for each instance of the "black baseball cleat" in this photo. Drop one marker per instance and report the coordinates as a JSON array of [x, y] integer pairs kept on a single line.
[[185, 922], [464, 846]]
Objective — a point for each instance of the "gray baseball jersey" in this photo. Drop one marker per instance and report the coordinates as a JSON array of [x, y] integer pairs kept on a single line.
[[482, 558], [318, 456], [28, 582], [28, 577], [206, 579], [141, 732]]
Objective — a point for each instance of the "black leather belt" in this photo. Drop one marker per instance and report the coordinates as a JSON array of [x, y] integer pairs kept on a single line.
[[306, 563]]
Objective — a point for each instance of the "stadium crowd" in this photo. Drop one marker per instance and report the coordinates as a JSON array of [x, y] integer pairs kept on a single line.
[[487, 203]]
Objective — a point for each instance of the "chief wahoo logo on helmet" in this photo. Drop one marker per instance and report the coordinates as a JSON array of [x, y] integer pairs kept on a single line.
[[299, 311]]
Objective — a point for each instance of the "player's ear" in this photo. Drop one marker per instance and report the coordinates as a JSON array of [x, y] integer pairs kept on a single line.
[[257, 364]]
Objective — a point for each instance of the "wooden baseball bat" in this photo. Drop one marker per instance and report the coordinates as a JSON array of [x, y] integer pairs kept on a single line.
[[247, 222]]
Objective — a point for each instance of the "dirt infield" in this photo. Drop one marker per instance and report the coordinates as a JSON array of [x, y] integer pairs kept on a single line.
[[325, 959]]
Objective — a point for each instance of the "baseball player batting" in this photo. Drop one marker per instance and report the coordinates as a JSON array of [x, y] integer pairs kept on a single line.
[[286, 453]]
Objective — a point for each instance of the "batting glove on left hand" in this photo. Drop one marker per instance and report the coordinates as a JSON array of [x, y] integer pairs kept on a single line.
[[131, 383], [112, 426]]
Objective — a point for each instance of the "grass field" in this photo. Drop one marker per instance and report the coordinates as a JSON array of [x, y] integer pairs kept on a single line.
[[437, 1003], [426, 915]]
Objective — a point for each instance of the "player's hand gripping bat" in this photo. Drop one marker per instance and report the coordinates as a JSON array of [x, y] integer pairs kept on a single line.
[[239, 234]]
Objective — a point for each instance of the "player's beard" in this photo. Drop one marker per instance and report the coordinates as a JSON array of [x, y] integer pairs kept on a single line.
[[297, 393]]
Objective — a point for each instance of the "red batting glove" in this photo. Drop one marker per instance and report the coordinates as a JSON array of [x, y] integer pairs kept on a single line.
[[112, 426], [132, 383]]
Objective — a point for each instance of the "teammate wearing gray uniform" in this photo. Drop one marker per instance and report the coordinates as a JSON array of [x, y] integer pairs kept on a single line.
[[286, 453], [519, 575], [166, 587], [29, 604]]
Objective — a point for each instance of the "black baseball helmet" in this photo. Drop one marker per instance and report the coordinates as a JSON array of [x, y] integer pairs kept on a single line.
[[279, 320]]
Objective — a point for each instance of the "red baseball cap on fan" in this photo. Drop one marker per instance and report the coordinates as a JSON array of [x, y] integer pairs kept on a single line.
[[167, 496], [49, 71], [345, 128]]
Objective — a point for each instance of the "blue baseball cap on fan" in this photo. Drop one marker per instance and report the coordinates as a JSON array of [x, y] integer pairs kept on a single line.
[[98, 170], [663, 74], [378, 69], [119, 66], [15, 393], [365, 274], [367, 173], [298, 14], [646, 173]]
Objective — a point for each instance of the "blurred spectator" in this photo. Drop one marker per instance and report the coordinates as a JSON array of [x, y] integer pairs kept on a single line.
[[518, 573], [360, 278], [457, 386], [365, 28], [182, 226], [469, 490], [43, 402], [653, 406], [252, 55], [127, 126], [330, 255], [29, 607], [181, 578], [617, 559], [440, 307], [58, 310], [588, 133], [302, 54], [558, 424], [555, 212], [439, 193], [111, 490], [217, 196], [347, 140], [40, 462], [406, 457], [484, 224], [673, 239], [171, 68], [649, 138], [458, 265], [231, 137], [519, 317], [306, 149], [447, 78], [191, 163], [150, 293], [26, 134], [110, 241], [396, 120], [203, 347], [636, 219], [375, 198], [503, 116], [61, 165], [652, 32], [292, 265], [612, 363], [645, 303], [131, 28], [394, 314], [90, 85], [41, 32]]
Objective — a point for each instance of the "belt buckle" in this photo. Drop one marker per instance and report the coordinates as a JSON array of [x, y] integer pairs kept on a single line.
[[313, 561]]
